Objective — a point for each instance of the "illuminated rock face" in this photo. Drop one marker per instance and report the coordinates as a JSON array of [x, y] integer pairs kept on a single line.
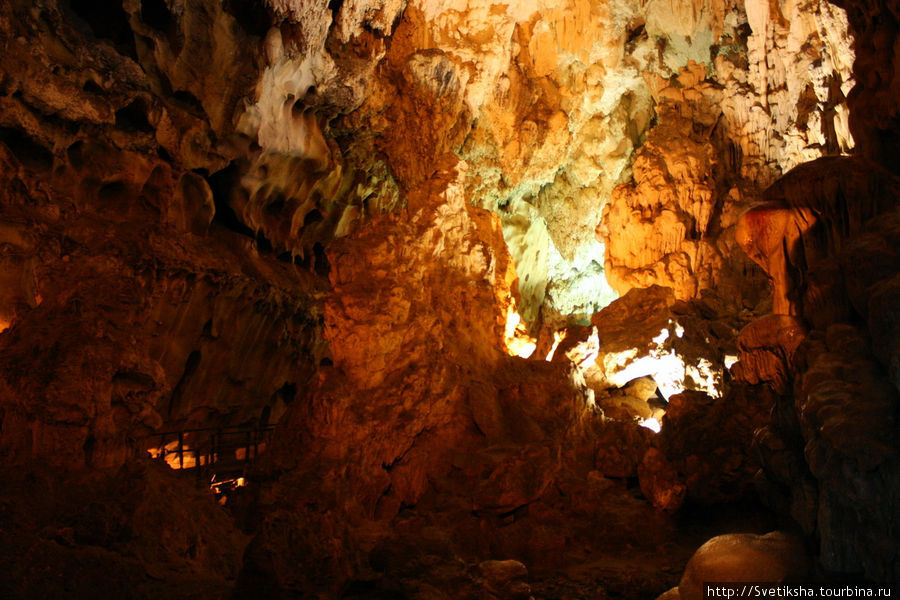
[[711, 153], [549, 117], [833, 432], [642, 334], [773, 558], [396, 285], [828, 457], [807, 216], [314, 213]]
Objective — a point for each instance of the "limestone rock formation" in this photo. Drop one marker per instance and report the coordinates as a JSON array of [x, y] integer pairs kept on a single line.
[[767, 350], [655, 228], [833, 427], [703, 450], [710, 154], [873, 100], [353, 219], [504, 580], [834, 433], [418, 402], [647, 334], [120, 342], [772, 558], [136, 532], [808, 215]]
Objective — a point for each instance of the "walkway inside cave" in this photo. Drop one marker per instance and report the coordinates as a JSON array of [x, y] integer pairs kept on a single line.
[[218, 457]]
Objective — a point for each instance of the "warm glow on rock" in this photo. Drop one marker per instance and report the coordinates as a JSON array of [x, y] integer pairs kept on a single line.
[[521, 348], [672, 372], [585, 353], [300, 242], [662, 337], [516, 338], [652, 424], [704, 376], [513, 320], [666, 369], [557, 338], [172, 457]]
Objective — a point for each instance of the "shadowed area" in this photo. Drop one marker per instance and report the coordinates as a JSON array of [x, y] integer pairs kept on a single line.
[[409, 299]]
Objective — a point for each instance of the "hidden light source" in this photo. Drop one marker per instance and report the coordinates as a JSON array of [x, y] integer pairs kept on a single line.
[[652, 424], [516, 338]]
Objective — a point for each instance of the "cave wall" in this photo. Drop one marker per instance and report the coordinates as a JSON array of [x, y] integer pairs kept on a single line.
[[873, 102], [131, 299], [551, 116], [295, 130], [830, 452], [330, 210]]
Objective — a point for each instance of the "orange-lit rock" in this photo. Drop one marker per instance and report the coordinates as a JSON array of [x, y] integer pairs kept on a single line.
[[645, 334], [710, 154], [767, 348], [654, 228], [774, 558], [703, 450], [329, 215], [137, 342], [660, 481], [808, 214], [830, 430], [376, 327]]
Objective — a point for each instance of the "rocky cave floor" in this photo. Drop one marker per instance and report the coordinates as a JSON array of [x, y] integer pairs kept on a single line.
[[150, 532], [652, 563]]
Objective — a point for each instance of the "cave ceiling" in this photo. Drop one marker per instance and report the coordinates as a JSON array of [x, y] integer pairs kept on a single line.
[[477, 260]]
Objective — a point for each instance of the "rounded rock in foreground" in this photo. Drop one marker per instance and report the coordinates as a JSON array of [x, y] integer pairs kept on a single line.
[[742, 557]]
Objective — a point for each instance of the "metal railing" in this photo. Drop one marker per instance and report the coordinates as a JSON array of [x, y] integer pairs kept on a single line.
[[211, 451]]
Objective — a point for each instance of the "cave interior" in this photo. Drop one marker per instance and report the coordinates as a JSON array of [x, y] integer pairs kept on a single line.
[[462, 299]]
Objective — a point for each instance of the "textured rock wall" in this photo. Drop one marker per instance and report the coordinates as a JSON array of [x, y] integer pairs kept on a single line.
[[826, 238], [830, 453], [873, 101], [771, 96], [127, 303], [210, 209], [137, 532], [116, 326], [549, 107]]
